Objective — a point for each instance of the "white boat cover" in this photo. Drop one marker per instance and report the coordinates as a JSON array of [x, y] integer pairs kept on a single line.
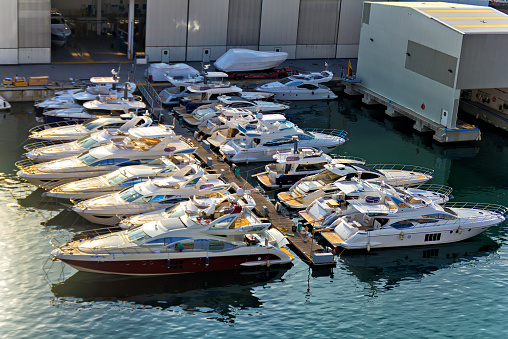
[[158, 70], [240, 59]]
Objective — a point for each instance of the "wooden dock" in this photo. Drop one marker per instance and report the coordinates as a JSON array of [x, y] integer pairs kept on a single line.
[[300, 242]]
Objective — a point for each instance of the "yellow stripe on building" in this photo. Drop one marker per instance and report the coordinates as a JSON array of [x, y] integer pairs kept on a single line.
[[460, 11], [483, 26], [448, 18]]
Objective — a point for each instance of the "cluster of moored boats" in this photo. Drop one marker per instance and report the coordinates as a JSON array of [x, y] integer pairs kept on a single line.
[[173, 216]]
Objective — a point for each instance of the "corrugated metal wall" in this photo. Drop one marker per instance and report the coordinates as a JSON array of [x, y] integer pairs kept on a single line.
[[9, 36], [244, 22], [34, 29], [317, 22], [168, 23], [208, 21]]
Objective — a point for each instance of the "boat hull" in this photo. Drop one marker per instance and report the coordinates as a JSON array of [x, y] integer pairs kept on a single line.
[[175, 265]]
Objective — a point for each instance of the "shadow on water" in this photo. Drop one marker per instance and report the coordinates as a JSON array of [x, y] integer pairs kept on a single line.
[[383, 270], [223, 293]]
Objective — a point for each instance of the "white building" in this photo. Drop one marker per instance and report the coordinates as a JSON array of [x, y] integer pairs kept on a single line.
[[421, 55]]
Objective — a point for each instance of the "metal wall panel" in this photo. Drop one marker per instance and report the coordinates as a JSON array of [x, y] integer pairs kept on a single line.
[[244, 22], [279, 22], [34, 27], [9, 25], [350, 22], [483, 61], [208, 21], [166, 23], [318, 22]]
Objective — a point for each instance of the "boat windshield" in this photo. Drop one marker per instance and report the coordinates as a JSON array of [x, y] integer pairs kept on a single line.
[[129, 194], [86, 142], [116, 177], [91, 125], [285, 81], [137, 235], [174, 212], [86, 158]]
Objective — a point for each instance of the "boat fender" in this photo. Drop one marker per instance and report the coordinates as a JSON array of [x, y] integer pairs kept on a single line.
[[268, 263], [368, 247], [459, 230], [312, 92], [401, 235], [423, 106], [207, 261]]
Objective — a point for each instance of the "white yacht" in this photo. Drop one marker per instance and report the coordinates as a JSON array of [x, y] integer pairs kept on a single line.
[[60, 31], [101, 160], [307, 189], [121, 178], [213, 204], [300, 89], [63, 150], [387, 218], [313, 77], [211, 112], [151, 195], [323, 211], [4, 104], [299, 163], [261, 141], [234, 239], [69, 131]]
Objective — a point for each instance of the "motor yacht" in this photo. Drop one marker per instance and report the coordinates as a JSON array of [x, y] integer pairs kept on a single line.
[[121, 178], [211, 204], [4, 104], [261, 141], [50, 150], [150, 195], [237, 239], [327, 208], [307, 189], [313, 77], [70, 131], [296, 164], [389, 219], [60, 31], [211, 112], [101, 160], [289, 89], [99, 107]]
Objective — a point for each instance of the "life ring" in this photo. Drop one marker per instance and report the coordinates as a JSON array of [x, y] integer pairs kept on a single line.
[[423, 106], [493, 99]]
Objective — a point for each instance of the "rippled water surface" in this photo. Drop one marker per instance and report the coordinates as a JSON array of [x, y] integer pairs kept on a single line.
[[456, 290]]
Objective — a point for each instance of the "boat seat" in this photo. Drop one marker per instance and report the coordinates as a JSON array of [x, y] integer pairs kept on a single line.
[[240, 221]]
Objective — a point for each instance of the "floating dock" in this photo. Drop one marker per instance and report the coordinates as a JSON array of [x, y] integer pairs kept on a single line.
[[306, 247]]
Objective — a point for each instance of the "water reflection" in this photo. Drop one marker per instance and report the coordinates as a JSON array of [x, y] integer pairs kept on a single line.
[[383, 270], [223, 293]]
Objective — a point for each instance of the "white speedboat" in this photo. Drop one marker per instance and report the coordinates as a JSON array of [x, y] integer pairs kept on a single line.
[[293, 165], [307, 189], [199, 205], [289, 89], [69, 131], [186, 244], [387, 219], [120, 179], [261, 141], [60, 31], [323, 211], [4, 104], [101, 160], [211, 112], [150, 195], [64, 150]]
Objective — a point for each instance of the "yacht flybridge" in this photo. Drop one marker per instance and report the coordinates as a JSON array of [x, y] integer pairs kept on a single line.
[[384, 217], [151, 195], [307, 189]]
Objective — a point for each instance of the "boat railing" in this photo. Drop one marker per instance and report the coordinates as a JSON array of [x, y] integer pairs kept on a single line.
[[43, 127], [442, 189], [347, 157], [500, 209], [24, 163], [328, 131], [410, 168], [39, 144]]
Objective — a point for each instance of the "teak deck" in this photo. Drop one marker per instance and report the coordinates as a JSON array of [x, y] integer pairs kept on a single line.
[[303, 244]]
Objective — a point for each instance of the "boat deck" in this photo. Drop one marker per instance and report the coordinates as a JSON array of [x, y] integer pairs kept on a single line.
[[303, 244]]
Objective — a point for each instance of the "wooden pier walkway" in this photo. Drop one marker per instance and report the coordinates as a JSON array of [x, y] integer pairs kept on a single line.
[[302, 244]]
